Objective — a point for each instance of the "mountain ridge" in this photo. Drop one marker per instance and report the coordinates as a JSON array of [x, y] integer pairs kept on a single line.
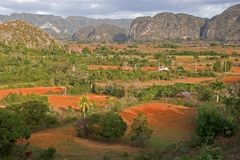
[[224, 27], [102, 33], [17, 32], [63, 28]]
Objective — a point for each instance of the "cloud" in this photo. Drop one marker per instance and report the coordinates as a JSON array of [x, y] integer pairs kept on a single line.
[[24, 1], [115, 8]]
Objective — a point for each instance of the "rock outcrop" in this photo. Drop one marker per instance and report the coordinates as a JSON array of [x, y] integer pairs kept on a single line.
[[166, 26], [225, 27], [102, 33]]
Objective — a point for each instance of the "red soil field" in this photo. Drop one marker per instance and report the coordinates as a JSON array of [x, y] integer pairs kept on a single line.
[[34, 90], [63, 101], [235, 69], [168, 121], [192, 67], [231, 79]]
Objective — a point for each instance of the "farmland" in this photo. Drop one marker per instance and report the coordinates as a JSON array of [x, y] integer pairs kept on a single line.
[[120, 78]]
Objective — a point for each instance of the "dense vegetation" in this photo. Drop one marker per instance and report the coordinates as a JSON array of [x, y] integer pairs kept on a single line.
[[108, 126], [17, 122], [217, 105], [22, 67]]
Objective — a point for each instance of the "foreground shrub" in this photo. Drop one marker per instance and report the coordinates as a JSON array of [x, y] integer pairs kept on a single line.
[[232, 101], [12, 128], [35, 114], [211, 154], [211, 123], [48, 153], [108, 126], [207, 153], [140, 133]]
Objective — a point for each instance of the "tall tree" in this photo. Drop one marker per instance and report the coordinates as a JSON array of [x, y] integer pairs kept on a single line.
[[85, 106], [140, 133], [218, 88]]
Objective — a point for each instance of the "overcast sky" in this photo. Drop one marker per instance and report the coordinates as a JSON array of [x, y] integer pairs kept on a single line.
[[115, 8]]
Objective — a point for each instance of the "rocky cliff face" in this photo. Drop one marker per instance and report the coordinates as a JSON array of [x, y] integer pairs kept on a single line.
[[64, 28], [166, 26], [22, 33], [225, 27], [102, 33]]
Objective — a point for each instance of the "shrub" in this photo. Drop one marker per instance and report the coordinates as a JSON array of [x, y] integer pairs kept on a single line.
[[108, 126], [205, 94], [86, 51], [48, 153], [211, 154], [19, 98], [35, 114], [207, 153], [140, 133], [232, 102], [211, 123], [12, 128], [114, 90]]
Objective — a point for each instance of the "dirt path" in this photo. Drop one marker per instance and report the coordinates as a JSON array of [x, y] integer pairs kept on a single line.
[[66, 142]]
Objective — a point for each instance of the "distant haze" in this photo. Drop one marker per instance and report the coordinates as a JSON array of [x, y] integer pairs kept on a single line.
[[115, 9]]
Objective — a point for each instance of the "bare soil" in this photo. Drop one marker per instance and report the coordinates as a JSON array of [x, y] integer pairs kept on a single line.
[[35, 90], [168, 121]]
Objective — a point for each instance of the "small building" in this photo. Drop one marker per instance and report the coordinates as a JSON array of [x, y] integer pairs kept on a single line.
[[163, 68]]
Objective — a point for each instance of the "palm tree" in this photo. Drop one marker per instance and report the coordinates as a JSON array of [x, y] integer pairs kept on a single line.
[[84, 106], [218, 87]]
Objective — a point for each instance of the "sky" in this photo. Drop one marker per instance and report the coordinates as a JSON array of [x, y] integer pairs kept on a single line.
[[115, 9]]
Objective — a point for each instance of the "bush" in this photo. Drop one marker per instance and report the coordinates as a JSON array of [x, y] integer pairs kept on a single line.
[[48, 153], [35, 114], [207, 153], [205, 94], [114, 90], [19, 98], [140, 133], [211, 123], [232, 101], [12, 128], [108, 126], [211, 154]]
